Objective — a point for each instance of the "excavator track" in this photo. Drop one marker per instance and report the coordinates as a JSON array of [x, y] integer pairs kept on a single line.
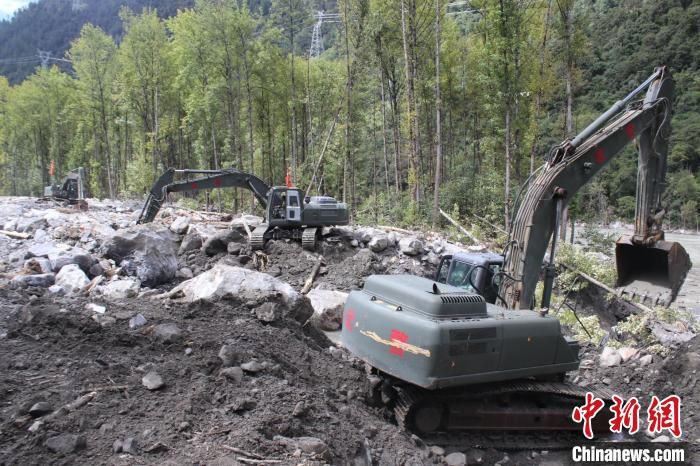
[[522, 405], [308, 238], [257, 237]]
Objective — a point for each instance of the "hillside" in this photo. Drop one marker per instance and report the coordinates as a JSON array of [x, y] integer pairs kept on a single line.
[[51, 25]]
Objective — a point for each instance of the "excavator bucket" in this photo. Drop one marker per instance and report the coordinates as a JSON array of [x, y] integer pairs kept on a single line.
[[650, 274]]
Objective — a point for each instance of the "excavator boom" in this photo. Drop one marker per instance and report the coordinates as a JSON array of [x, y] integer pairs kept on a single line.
[[571, 166]]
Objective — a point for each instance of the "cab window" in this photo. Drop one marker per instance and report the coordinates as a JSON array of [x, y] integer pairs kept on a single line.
[[459, 276], [444, 269]]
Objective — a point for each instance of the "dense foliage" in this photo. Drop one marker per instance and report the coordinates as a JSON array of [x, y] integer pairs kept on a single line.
[[229, 84]]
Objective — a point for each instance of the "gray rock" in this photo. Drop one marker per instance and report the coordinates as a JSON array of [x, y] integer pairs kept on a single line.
[[232, 373], [267, 312], [646, 360], [328, 308], [219, 242], [437, 451], [190, 242], [234, 248], [671, 334], [137, 321], [180, 225], [627, 353], [117, 446], [72, 279], [44, 249], [65, 443], [130, 446], [103, 320], [308, 445], [456, 459], [144, 252], [79, 256], [354, 243], [37, 265], [411, 246], [432, 258], [121, 289], [229, 357], [475, 456], [43, 280], [167, 333], [40, 409], [252, 221], [56, 290], [96, 269], [253, 367], [379, 243], [31, 224], [152, 381], [96, 308], [185, 272], [610, 357]]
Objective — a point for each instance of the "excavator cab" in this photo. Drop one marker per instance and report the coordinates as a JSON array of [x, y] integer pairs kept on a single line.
[[473, 272], [285, 206]]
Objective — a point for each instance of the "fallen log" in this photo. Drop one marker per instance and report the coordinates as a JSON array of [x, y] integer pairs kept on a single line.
[[15, 235], [243, 452], [460, 227], [312, 276]]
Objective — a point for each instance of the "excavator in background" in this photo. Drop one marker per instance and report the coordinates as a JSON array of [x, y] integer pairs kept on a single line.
[[73, 187], [463, 352], [289, 214]]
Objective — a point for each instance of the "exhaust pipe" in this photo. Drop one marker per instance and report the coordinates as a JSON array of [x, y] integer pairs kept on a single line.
[[650, 274]]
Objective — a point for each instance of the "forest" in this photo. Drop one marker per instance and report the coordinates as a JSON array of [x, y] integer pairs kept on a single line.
[[409, 106]]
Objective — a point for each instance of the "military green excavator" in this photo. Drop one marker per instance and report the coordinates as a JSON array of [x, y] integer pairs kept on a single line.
[[444, 358], [72, 188], [289, 214]]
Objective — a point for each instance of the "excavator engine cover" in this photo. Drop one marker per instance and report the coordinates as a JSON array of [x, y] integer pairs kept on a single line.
[[650, 274], [438, 336]]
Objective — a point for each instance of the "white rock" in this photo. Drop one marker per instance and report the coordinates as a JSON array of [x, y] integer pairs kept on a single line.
[[410, 246], [92, 307], [456, 459], [72, 279], [627, 353], [180, 225], [121, 289], [225, 280], [186, 272], [646, 360], [328, 308], [610, 357], [152, 381]]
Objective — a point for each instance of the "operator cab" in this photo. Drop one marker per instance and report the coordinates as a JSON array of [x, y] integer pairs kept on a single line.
[[473, 272], [285, 206]]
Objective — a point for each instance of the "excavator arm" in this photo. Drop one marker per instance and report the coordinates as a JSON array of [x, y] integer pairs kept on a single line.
[[570, 166], [225, 178]]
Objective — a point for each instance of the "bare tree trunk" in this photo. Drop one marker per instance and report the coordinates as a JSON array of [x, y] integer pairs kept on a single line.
[[349, 172], [567, 13], [438, 126], [410, 97], [507, 175], [386, 158], [540, 89]]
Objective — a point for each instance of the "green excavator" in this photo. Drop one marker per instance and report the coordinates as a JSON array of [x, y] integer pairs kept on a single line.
[[464, 351], [289, 214]]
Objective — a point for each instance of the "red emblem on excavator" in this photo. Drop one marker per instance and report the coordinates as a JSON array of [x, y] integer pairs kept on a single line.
[[397, 335], [599, 156], [629, 131], [349, 319]]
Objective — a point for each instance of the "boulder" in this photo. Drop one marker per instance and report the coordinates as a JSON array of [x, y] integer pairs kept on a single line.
[[328, 308], [379, 243], [42, 280], [78, 256], [184, 272], [65, 443], [190, 242], [308, 445], [411, 246], [610, 357], [72, 279], [167, 333], [627, 353], [45, 248], [137, 321], [252, 221], [152, 381], [219, 242], [646, 360], [180, 225], [31, 224], [671, 334], [121, 289], [37, 265], [229, 356], [144, 252], [232, 373], [234, 248], [456, 459]]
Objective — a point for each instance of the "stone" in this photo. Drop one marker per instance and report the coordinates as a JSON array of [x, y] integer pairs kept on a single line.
[[72, 279], [610, 357], [251, 220], [411, 246], [40, 409], [267, 312], [308, 445], [29, 225], [232, 373], [96, 269], [456, 459], [475, 456], [121, 289], [437, 451], [96, 308], [79, 256], [180, 225], [378, 243], [328, 308], [117, 446], [130, 446], [432, 258], [185, 273], [145, 252], [661, 439], [671, 334], [229, 357], [44, 249], [253, 367], [38, 265], [167, 333], [234, 248], [104, 321], [627, 353], [646, 360], [190, 242], [137, 321], [42, 280], [65, 443], [219, 242], [152, 381], [354, 243]]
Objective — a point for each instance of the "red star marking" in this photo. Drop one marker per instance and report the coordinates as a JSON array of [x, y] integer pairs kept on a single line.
[[194, 185], [217, 182], [629, 131], [398, 336], [349, 319], [599, 156]]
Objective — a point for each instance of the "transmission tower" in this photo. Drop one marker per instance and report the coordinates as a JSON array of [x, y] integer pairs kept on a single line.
[[44, 57], [316, 35]]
